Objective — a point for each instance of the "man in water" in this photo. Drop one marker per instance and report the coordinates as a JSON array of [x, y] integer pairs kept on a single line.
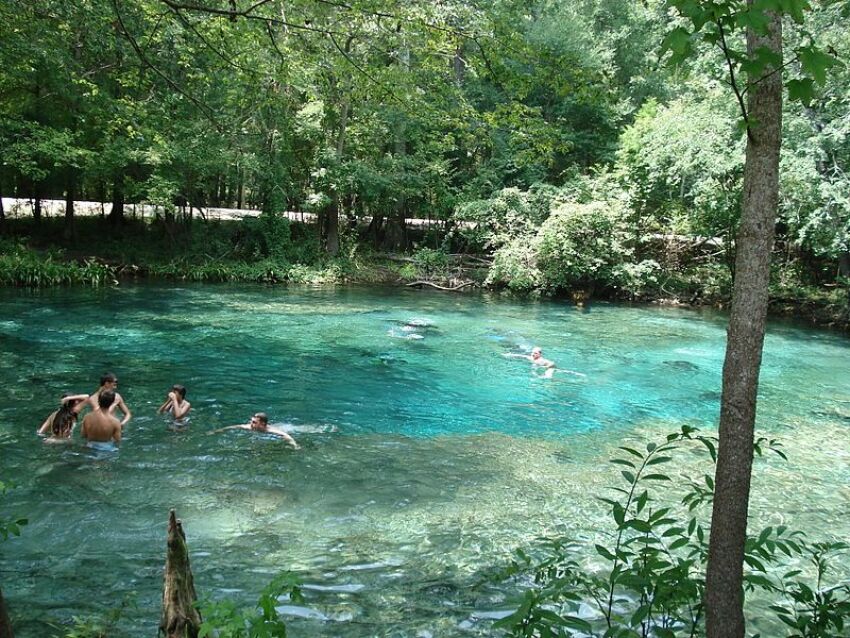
[[176, 402], [99, 426], [108, 383], [536, 358], [260, 423]]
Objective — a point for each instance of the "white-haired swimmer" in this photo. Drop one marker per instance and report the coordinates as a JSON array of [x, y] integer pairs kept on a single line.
[[537, 361]]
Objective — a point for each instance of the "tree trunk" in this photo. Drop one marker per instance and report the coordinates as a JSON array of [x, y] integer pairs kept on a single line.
[[724, 578], [5, 623], [35, 196], [240, 189], [180, 618], [70, 194], [374, 230], [843, 258], [116, 215], [332, 228]]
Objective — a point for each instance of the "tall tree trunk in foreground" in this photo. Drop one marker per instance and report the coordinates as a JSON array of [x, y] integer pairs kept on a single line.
[[724, 579], [180, 618], [5, 623]]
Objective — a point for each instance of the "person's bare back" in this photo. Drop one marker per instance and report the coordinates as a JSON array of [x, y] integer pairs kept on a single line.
[[101, 426]]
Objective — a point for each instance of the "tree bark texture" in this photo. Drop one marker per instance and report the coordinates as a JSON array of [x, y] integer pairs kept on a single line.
[[5, 623], [724, 578], [180, 618]]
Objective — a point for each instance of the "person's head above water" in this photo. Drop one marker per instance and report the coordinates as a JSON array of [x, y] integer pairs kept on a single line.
[[536, 352], [179, 389], [108, 377], [260, 421], [65, 417], [105, 399]]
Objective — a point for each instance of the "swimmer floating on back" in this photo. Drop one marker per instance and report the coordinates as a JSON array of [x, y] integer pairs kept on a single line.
[[537, 360], [260, 423]]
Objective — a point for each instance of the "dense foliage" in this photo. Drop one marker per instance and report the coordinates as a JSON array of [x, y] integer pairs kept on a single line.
[[526, 128]]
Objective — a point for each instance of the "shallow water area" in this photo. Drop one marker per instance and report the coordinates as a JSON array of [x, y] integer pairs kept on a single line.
[[426, 461]]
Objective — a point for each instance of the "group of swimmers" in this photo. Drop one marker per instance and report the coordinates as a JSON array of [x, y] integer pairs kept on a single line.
[[101, 428]]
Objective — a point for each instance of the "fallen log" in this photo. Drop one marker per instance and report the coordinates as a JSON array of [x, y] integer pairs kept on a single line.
[[438, 286], [180, 618]]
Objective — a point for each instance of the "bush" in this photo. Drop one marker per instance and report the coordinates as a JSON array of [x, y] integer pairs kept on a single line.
[[580, 245], [268, 235], [430, 263], [515, 266]]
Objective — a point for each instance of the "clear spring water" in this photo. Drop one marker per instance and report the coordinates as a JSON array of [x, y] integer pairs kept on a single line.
[[425, 461]]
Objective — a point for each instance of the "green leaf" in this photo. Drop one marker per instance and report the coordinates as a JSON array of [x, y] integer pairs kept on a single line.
[[679, 542], [629, 476], [815, 62], [632, 451], [801, 91], [605, 553], [678, 41], [619, 514], [659, 459], [622, 462], [574, 622]]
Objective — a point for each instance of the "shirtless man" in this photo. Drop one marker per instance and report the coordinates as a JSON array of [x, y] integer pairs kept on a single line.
[[260, 423], [536, 358], [176, 402], [100, 426], [108, 383]]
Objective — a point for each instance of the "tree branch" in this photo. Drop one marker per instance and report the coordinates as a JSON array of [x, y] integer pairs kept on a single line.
[[726, 54]]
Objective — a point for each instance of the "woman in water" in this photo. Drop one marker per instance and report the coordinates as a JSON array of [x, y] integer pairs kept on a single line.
[[60, 424]]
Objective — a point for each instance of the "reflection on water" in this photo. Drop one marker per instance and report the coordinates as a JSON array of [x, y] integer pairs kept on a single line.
[[425, 461]]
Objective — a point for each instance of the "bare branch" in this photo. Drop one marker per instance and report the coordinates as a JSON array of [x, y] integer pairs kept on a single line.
[[727, 54]]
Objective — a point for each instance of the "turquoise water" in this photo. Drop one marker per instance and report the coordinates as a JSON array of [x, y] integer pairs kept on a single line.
[[427, 456]]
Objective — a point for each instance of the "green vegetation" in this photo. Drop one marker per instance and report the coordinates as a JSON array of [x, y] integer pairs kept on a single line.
[[543, 138], [225, 620], [649, 579]]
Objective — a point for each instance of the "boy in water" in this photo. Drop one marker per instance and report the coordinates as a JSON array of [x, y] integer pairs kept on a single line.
[[176, 402], [108, 383], [260, 423], [100, 426]]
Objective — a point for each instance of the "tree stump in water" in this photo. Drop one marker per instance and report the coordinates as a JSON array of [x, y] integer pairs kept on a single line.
[[180, 618], [5, 623]]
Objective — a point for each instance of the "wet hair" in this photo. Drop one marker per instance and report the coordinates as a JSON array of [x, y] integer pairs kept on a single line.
[[105, 399], [262, 417], [65, 418], [179, 389], [107, 377]]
